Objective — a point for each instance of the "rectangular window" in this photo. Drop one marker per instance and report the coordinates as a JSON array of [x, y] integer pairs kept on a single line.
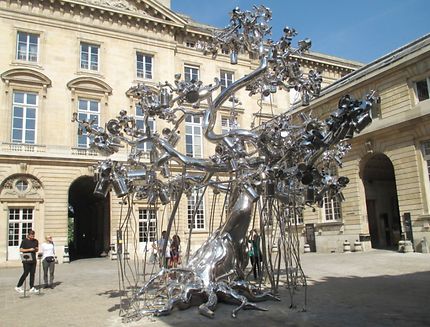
[[225, 124], [24, 113], [332, 209], [20, 223], [147, 225], [193, 136], [191, 73], [226, 79], [196, 221], [144, 64], [27, 47], [190, 44], [422, 89], [295, 215], [90, 56], [88, 110], [146, 146]]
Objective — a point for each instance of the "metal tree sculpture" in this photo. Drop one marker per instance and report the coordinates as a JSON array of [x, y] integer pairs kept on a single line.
[[276, 169]]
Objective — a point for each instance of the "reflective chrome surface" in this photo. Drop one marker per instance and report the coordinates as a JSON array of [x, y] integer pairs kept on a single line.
[[276, 169]]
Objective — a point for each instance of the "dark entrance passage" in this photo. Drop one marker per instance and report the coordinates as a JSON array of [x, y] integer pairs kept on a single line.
[[89, 218], [381, 201]]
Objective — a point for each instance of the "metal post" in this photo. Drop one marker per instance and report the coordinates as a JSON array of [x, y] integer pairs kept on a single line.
[[39, 256]]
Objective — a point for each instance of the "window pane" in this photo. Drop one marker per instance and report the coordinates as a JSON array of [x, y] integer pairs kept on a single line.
[[31, 98], [32, 53], [94, 119], [94, 106], [29, 137], [17, 135], [22, 37], [139, 111], [18, 97], [18, 112], [422, 90], [82, 141], [30, 124], [34, 39], [189, 150], [31, 113], [82, 104]]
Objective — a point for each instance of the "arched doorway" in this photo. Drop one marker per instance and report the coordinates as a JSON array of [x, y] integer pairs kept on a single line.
[[381, 202], [89, 220]]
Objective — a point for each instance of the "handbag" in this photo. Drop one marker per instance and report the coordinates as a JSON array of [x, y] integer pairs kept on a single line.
[[50, 259]]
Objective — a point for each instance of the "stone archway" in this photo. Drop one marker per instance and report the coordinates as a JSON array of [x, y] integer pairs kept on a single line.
[[381, 202], [90, 216]]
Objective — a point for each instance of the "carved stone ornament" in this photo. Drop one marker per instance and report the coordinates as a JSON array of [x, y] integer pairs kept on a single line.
[[20, 186], [120, 4]]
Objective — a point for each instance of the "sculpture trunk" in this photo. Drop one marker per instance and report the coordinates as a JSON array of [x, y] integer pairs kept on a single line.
[[224, 253]]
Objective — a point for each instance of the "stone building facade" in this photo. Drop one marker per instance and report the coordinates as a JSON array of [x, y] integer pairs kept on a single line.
[[59, 57], [387, 199]]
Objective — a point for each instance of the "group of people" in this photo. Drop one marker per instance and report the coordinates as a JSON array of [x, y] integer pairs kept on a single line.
[[29, 248], [171, 257]]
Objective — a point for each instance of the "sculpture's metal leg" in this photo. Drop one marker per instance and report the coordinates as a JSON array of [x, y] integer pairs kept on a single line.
[[252, 293], [231, 294], [207, 308]]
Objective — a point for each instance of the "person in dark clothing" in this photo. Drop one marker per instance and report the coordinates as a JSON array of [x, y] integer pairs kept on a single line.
[[174, 251], [255, 253], [29, 247]]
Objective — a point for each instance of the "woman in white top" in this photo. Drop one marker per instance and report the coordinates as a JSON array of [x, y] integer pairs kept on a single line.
[[48, 261]]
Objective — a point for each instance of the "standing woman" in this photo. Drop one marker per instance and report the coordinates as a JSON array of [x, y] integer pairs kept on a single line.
[[174, 251], [48, 261], [256, 255]]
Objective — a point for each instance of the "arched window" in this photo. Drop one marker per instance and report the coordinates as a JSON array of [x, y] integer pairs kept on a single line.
[[21, 195], [89, 96], [26, 87]]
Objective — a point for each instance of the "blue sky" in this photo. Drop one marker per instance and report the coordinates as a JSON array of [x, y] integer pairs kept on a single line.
[[361, 30]]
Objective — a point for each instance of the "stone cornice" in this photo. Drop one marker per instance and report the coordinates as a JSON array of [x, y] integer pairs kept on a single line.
[[151, 9], [108, 27], [166, 20]]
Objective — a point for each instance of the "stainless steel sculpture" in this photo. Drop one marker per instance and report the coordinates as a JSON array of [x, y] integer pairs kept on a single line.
[[277, 169]]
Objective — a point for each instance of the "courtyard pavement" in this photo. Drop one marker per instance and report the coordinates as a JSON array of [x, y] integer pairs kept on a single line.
[[373, 288]]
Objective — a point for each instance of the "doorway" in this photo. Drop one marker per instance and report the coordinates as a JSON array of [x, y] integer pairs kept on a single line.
[[381, 202], [89, 220]]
